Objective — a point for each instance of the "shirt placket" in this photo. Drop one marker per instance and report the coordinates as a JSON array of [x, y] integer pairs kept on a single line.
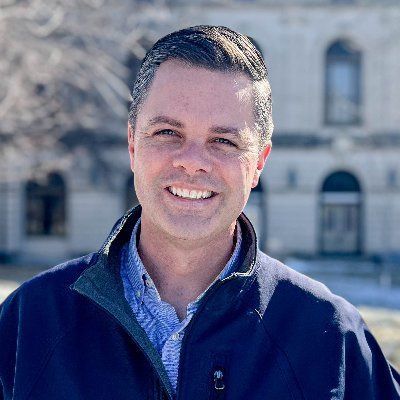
[[171, 350]]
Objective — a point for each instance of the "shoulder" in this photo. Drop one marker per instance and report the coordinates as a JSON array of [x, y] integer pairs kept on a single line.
[[44, 306], [35, 317], [313, 327], [303, 298], [51, 283]]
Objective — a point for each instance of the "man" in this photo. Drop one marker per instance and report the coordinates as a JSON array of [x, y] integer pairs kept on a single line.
[[179, 302]]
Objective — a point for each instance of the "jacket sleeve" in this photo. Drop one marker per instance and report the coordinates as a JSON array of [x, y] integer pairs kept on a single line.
[[367, 373], [8, 345], [1, 391]]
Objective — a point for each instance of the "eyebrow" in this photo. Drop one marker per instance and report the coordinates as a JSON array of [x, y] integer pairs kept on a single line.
[[163, 119], [222, 130]]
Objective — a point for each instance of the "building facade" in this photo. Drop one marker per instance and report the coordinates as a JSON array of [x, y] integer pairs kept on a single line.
[[332, 182]]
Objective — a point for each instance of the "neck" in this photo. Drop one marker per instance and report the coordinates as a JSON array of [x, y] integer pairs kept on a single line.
[[180, 270]]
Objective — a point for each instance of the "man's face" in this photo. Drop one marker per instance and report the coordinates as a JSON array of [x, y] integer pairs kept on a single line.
[[194, 151]]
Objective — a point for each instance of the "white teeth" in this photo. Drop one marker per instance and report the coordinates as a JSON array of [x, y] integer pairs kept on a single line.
[[190, 194], [195, 195]]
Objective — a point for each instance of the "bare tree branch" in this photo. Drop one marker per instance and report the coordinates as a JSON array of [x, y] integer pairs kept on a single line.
[[63, 69]]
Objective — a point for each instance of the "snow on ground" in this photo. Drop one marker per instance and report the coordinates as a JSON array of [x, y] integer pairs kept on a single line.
[[361, 283], [385, 326]]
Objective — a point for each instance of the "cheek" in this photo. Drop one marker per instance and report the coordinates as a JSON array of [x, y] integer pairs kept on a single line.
[[147, 159], [248, 165], [240, 179], [151, 169]]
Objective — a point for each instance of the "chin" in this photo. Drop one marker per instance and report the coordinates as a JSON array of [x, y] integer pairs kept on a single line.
[[199, 229], [189, 228]]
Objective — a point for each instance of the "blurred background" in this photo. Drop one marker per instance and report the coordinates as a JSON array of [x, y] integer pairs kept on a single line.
[[328, 203]]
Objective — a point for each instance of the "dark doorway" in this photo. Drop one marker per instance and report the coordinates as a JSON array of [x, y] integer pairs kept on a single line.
[[340, 214]]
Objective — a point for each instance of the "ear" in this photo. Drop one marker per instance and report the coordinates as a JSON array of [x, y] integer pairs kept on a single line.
[[131, 146], [262, 158]]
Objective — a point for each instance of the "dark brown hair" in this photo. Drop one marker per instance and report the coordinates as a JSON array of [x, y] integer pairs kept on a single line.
[[216, 48]]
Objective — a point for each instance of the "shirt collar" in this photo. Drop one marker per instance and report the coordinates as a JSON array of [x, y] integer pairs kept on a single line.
[[228, 270], [134, 268], [141, 282]]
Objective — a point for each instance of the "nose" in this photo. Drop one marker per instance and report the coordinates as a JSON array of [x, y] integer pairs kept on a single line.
[[193, 159]]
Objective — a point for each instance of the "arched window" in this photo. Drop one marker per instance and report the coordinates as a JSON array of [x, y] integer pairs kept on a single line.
[[341, 181], [131, 199], [343, 84], [45, 206]]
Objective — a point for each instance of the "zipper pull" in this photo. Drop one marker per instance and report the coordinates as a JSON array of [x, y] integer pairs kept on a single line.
[[219, 380]]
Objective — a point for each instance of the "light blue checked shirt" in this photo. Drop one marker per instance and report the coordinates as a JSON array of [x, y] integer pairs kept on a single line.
[[158, 318]]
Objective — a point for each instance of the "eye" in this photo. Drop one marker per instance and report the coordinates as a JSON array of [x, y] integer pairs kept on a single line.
[[165, 132], [225, 141]]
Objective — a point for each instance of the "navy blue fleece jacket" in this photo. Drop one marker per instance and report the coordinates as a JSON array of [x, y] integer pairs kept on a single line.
[[267, 332]]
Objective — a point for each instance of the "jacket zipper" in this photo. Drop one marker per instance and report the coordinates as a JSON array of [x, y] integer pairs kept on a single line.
[[159, 393], [188, 329], [218, 375], [219, 380], [218, 391], [218, 383]]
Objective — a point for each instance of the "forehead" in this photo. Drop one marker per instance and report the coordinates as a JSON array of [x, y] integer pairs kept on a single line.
[[179, 89]]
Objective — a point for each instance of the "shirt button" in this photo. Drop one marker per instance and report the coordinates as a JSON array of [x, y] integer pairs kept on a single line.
[[138, 293], [149, 283], [176, 336]]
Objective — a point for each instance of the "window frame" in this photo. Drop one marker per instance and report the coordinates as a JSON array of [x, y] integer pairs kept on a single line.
[[46, 205], [354, 59]]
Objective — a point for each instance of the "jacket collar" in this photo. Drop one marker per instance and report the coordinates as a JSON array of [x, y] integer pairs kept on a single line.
[[122, 230], [101, 282]]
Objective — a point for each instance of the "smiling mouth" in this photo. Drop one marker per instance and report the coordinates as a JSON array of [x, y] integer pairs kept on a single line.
[[190, 194]]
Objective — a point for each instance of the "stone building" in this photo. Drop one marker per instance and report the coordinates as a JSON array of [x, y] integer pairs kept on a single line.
[[332, 183]]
